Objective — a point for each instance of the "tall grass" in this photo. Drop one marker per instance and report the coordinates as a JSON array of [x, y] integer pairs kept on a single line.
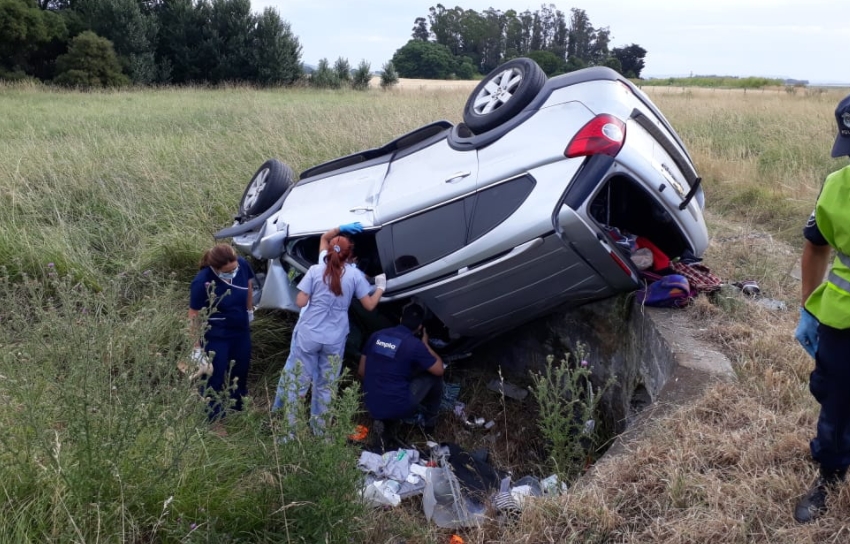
[[110, 198], [724, 82]]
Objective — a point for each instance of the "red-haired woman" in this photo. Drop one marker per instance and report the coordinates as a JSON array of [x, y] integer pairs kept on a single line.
[[318, 341], [223, 287]]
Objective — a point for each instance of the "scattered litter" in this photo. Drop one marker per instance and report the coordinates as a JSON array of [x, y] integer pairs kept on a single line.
[[748, 287], [507, 389], [445, 504], [490, 424], [456, 540], [382, 493], [360, 433], [552, 485], [771, 304]]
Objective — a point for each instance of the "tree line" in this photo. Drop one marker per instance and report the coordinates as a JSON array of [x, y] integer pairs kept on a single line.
[[462, 43], [110, 42]]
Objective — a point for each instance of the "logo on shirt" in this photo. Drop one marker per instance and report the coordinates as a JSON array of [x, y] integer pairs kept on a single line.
[[387, 346]]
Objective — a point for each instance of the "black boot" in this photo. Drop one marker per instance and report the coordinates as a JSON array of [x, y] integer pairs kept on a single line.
[[813, 504]]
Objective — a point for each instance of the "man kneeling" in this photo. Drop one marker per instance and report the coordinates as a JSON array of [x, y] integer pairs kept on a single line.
[[401, 372]]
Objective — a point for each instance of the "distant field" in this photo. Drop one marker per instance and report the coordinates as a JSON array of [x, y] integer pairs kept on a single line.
[[110, 198], [428, 84]]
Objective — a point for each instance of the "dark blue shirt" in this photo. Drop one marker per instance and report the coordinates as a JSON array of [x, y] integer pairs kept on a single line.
[[812, 233], [228, 305], [393, 357]]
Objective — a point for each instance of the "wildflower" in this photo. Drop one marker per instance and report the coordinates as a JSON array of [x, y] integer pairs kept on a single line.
[[584, 364], [50, 265], [193, 526], [146, 273]]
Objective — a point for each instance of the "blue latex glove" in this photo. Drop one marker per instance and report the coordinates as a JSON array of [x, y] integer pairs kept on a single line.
[[351, 228], [807, 332]]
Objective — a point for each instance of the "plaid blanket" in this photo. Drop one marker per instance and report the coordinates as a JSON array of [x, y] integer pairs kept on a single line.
[[700, 278]]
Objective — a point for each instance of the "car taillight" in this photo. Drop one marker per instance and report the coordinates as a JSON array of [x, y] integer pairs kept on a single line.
[[603, 135], [621, 264]]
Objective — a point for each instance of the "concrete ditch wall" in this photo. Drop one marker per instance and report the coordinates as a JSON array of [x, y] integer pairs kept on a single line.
[[654, 355]]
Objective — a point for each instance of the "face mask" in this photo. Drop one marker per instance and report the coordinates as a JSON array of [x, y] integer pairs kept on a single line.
[[228, 275]]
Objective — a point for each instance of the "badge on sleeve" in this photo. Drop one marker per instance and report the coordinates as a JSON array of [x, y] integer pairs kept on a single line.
[[811, 222]]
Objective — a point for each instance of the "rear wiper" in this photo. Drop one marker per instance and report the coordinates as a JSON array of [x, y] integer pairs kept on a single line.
[[691, 193]]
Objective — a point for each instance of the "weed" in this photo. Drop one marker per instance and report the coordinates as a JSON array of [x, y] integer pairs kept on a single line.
[[568, 406]]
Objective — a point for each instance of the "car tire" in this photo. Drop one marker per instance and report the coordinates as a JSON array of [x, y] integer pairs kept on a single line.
[[266, 187], [503, 94]]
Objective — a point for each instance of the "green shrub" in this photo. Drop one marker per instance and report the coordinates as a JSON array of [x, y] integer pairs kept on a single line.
[[389, 77], [362, 76], [90, 63], [325, 77], [568, 406]]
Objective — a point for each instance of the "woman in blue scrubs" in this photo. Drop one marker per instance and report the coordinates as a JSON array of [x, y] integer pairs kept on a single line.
[[224, 289], [318, 341]]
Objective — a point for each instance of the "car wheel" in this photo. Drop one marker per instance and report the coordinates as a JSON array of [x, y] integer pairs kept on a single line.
[[265, 188], [503, 94]]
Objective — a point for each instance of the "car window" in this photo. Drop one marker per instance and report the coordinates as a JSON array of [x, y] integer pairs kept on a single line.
[[426, 237], [495, 204]]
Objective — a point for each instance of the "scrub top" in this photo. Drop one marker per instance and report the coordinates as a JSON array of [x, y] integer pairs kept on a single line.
[[229, 304], [325, 318]]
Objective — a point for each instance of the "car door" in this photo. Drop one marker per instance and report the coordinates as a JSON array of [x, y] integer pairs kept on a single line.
[[425, 178]]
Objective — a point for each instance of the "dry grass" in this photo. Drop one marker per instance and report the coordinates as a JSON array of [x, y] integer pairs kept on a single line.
[[730, 466]]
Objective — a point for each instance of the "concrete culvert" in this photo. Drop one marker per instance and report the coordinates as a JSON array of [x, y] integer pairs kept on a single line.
[[651, 358]]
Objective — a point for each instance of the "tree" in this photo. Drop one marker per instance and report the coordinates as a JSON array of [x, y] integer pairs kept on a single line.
[[132, 33], [277, 52], [225, 51], [425, 60], [548, 61], [580, 37], [89, 63], [389, 77], [362, 76], [464, 69], [342, 69], [599, 47], [420, 30], [614, 64], [631, 59], [324, 77], [25, 31]]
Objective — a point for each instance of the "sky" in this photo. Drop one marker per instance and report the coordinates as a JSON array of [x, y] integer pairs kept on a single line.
[[799, 39]]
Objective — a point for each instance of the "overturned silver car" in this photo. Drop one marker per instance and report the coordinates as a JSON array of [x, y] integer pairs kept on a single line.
[[497, 220]]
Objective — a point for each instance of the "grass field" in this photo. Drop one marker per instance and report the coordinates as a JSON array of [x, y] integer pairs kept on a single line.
[[108, 201]]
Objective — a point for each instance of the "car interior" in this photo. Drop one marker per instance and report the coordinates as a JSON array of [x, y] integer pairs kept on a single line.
[[623, 203], [306, 251]]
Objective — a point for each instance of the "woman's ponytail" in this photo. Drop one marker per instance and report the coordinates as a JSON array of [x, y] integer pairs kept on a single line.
[[338, 254]]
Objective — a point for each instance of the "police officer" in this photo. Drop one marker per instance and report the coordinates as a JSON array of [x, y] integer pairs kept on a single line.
[[824, 327], [401, 372]]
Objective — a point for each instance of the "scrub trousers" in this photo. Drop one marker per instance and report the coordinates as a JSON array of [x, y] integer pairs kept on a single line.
[[309, 362], [829, 383], [235, 347]]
